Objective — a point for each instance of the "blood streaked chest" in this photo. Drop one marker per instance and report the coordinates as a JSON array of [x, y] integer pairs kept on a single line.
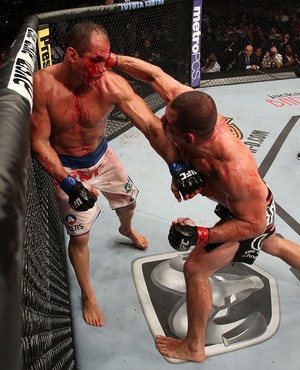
[[83, 111]]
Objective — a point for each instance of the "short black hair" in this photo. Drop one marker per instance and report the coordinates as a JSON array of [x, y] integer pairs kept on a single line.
[[195, 111], [79, 35]]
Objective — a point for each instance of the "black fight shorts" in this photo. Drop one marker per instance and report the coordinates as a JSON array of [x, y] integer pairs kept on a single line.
[[249, 248]]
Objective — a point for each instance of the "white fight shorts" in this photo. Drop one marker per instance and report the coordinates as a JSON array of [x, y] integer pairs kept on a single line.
[[110, 178]]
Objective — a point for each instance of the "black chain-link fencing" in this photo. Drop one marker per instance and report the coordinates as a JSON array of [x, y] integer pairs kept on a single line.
[[47, 336]]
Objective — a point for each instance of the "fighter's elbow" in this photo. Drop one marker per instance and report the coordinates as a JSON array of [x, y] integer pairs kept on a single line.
[[259, 227], [156, 73], [37, 146]]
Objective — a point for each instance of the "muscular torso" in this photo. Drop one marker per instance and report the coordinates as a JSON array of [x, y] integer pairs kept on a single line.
[[78, 122], [78, 118]]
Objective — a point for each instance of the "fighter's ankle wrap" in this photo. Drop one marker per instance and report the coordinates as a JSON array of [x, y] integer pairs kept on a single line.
[[112, 61], [203, 235], [68, 184]]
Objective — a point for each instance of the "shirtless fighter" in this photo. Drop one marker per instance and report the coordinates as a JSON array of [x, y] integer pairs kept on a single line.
[[245, 204], [71, 103]]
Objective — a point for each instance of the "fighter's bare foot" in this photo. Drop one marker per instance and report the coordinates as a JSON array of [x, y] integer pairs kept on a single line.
[[92, 314], [178, 349], [138, 240]]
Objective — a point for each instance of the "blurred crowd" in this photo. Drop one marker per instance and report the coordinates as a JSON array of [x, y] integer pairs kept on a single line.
[[13, 13], [234, 36], [251, 37]]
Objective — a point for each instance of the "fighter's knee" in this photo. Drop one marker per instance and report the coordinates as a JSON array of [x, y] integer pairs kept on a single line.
[[79, 240], [274, 246], [270, 245], [193, 268], [130, 207]]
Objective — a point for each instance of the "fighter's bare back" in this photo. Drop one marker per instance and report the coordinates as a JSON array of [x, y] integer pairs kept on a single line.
[[227, 164]]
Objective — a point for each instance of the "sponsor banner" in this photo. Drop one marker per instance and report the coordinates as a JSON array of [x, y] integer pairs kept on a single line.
[[21, 75], [44, 47], [285, 99], [140, 4], [195, 71]]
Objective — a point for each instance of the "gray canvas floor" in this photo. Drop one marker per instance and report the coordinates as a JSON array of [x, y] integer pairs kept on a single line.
[[272, 129]]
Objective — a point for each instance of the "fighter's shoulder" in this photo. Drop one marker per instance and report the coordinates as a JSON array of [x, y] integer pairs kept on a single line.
[[181, 88], [112, 84], [112, 78], [44, 78], [47, 72]]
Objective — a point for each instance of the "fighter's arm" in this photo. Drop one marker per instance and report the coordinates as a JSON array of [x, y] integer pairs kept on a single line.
[[133, 106], [165, 85], [120, 93], [40, 128], [249, 208], [247, 202]]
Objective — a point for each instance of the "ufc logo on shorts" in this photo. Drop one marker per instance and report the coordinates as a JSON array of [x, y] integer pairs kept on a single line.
[[271, 211], [187, 174]]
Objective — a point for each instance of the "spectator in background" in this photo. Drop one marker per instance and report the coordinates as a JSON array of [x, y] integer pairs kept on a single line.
[[272, 59], [282, 19], [260, 40], [249, 36], [160, 43], [258, 34], [57, 54], [211, 64], [257, 57], [147, 51], [289, 57], [274, 35], [283, 42], [295, 24], [245, 59]]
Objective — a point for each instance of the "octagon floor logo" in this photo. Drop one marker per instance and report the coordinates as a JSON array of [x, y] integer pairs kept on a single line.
[[245, 302]]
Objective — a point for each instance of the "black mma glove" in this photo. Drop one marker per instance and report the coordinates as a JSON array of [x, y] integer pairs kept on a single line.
[[186, 180], [183, 237], [80, 198]]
